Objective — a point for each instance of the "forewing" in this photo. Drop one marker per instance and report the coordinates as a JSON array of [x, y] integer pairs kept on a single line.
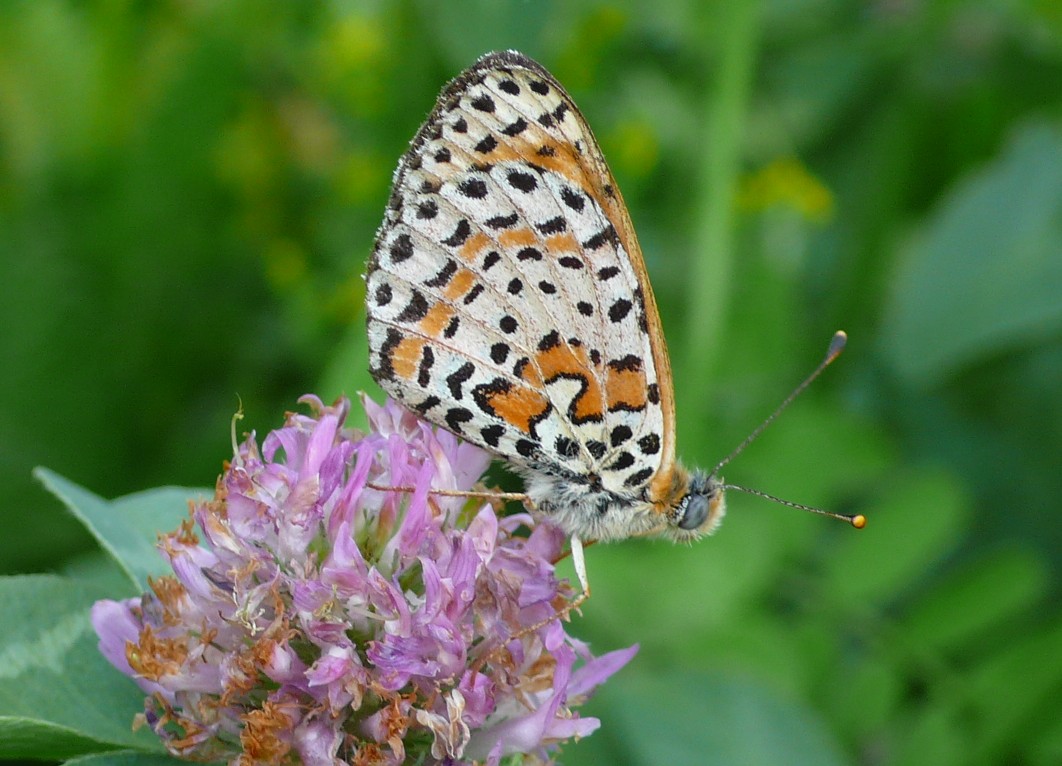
[[507, 298]]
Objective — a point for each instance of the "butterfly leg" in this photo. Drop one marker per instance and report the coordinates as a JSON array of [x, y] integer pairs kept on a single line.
[[579, 562], [482, 494]]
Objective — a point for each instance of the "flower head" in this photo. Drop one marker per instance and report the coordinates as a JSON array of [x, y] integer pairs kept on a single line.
[[312, 618]]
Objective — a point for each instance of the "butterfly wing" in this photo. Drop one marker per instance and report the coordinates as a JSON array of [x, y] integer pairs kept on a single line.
[[507, 296]]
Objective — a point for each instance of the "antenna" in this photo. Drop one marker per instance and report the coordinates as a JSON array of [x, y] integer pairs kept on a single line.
[[837, 344], [857, 520]]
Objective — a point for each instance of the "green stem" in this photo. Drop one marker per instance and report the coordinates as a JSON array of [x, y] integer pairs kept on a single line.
[[735, 24]]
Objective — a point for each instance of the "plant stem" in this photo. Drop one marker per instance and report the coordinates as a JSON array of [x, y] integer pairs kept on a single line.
[[736, 26]]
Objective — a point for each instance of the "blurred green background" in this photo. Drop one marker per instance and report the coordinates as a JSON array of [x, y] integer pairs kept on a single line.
[[189, 190]]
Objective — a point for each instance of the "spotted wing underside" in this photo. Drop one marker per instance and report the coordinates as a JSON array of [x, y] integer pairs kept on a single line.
[[507, 298]]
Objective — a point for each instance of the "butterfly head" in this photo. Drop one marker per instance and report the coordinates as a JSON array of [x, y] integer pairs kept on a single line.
[[697, 506]]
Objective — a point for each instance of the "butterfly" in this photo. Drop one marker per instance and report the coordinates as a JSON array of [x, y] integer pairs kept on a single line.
[[508, 302]]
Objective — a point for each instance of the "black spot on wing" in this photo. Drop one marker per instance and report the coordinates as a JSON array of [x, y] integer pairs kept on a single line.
[[401, 249], [649, 444], [628, 363], [566, 447], [473, 188], [445, 274], [503, 221], [415, 310], [385, 369], [461, 233], [483, 103], [499, 352], [619, 435], [619, 310], [573, 199], [515, 128], [427, 359], [522, 181], [428, 403], [456, 417], [549, 340], [487, 145], [491, 434], [383, 294], [458, 378], [553, 226], [427, 209], [638, 478], [606, 236]]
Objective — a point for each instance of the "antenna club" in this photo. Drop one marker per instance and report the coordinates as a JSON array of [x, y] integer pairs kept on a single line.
[[837, 344], [858, 521]]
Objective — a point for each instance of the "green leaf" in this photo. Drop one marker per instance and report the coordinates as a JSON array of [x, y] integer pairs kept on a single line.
[[347, 374], [1010, 691], [788, 654], [126, 758], [128, 527], [58, 696], [911, 526], [98, 570], [934, 735], [681, 717], [1047, 748], [982, 594], [718, 574], [863, 693], [986, 273]]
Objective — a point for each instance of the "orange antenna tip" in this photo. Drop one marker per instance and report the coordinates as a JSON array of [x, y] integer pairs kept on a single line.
[[858, 521]]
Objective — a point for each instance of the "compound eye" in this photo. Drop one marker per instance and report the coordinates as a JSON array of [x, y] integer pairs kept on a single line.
[[695, 511]]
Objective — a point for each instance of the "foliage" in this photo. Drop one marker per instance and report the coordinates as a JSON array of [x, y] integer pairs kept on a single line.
[[187, 195]]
